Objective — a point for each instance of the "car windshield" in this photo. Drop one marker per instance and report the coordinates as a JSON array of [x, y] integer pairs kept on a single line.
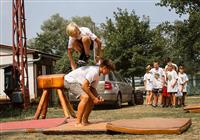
[[102, 77], [139, 81]]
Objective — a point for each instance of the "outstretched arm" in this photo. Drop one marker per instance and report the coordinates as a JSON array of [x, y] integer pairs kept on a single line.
[[72, 64], [98, 49]]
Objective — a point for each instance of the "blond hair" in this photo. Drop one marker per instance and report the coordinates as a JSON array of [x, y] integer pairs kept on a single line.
[[71, 28], [148, 68]]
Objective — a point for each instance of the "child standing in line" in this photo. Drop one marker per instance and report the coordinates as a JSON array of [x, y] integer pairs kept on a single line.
[[172, 86], [158, 80], [165, 94], [183, 85], [148, 83], [156, 89]]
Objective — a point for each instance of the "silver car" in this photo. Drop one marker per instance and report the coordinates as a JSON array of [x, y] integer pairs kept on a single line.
[[114, 90], [139, 90]]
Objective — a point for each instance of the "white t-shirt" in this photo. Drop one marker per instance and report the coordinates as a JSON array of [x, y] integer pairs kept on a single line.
[[157, 82], [171, 78], [149, 81], [84, 32], [90, 73], [182, 79]]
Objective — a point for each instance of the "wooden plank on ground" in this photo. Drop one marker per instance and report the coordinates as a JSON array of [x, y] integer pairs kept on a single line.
[[193, 111], [150, 126], [192, 106], [96, 127]]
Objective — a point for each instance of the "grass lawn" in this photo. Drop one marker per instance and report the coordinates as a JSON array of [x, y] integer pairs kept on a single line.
[[126, 112]]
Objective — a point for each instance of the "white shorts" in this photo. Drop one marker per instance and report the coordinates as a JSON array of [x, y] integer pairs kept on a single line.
[[74, 88]]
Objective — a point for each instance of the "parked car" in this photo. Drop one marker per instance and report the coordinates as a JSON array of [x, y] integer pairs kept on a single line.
[[113, 89], [139, 90], [139, 84]]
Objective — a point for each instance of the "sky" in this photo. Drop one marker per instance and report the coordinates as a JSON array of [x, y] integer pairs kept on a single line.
[[37, 11]]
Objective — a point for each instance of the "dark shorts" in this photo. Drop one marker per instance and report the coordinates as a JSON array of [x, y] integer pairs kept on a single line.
[[184, 93], [157, 92], [81, 45], [82, 55]]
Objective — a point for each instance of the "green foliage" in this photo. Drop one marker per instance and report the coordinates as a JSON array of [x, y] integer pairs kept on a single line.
[[184, 36], [52, 39], [181, 6], [183, 41], [131, 43], [62, 65]]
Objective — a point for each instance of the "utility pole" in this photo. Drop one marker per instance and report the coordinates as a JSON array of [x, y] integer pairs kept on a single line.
[[20, 65]]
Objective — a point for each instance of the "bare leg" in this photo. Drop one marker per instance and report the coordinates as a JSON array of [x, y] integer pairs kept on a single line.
[[173, 99], [81, 108], [161, 99], [147, 97], [86, 44], [155, 100], [87, 112], [164, 98], [150, 98], [76, 46], [183, 99]]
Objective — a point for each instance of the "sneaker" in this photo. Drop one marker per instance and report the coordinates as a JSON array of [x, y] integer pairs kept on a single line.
[[81, 62], [154, 105], [87, 58]]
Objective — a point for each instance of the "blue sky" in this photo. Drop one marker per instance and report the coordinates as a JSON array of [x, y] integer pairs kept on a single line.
[[37, 11]]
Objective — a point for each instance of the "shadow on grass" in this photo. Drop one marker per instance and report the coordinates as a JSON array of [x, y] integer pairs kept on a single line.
[[105, 106]]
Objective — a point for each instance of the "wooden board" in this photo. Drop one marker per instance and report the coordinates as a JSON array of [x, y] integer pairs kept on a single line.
[[96, 127], [193, 111], [191, 107], [150, 126]]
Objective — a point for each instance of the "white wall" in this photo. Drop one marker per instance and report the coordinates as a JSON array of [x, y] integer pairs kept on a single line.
[[31, 80], [2, 94], [4, 60]]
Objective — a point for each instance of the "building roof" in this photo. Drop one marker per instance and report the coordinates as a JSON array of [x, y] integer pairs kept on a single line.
[[31, 51]]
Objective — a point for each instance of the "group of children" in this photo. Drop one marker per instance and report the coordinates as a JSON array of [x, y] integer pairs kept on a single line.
[[165, 86]]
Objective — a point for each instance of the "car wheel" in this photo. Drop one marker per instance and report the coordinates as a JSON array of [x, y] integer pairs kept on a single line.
[[139, 100], [119, 101], [132, 101]]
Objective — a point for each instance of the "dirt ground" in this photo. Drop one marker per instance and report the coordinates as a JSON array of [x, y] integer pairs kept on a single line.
[[107, 113]]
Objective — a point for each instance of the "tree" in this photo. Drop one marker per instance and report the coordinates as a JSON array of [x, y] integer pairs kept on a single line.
[[52, 39], [185, 40], [181, 6], [130, 43]]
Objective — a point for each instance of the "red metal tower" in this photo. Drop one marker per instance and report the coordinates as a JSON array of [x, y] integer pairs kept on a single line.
[[20, 64]]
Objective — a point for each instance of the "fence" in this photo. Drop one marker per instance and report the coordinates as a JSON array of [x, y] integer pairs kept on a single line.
[[194, 85]]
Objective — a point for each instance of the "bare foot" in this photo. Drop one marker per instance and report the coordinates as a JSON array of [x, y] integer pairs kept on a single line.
[[79, 125], [86, 123]]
